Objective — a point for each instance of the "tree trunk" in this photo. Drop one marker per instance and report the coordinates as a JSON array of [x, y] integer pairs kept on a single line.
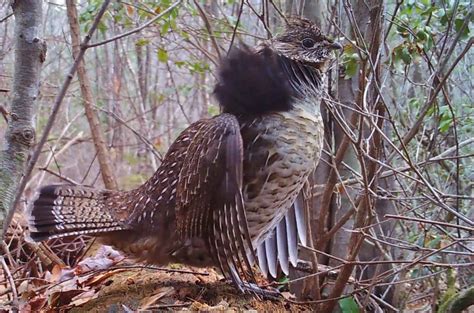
[[97, 135], [318, 11], [117, 138], [30, 53]]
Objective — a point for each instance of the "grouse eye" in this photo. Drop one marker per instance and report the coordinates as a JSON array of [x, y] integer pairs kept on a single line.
[[308, 43]]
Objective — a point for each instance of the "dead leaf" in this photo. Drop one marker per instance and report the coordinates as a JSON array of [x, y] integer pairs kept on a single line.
[[36, 304], [61, 298], [84, 298], [94, 280], [105, 258], [60, 273], [198, 306], [127, 309], [130, 10], [23, 288], [288, 295], [150, 301], [221, 306]]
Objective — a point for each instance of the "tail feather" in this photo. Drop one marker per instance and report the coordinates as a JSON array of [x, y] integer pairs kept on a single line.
[[61, 210]]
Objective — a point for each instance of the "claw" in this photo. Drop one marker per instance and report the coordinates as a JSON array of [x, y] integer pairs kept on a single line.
[[267, 294]]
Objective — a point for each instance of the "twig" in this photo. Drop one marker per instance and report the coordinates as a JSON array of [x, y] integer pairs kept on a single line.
[[44, 253], [156, 268], [420, 220], [10, 280], [425, 109], [236, 26], [3, 19], [175, 88], [4, 113], [124, 268], [261, 17], [390, 24], [365, 288], [53, 155], [164, 306], [66, 179], [136, 30], [139, 136], [208, 28]]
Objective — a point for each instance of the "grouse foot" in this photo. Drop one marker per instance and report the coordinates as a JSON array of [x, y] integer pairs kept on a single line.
[[268, 293]]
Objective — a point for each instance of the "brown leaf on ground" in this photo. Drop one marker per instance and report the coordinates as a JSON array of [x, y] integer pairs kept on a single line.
[[160, 293], [62, 298], [141, 288], [34, 305], [96, 279], [59, 273], [288, 295], [198, 306], [84, 298]]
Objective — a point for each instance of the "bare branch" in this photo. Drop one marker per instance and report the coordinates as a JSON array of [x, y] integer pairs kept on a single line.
[[135, 30]]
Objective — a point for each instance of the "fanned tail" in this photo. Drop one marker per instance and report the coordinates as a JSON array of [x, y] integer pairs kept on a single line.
[[61, 210]]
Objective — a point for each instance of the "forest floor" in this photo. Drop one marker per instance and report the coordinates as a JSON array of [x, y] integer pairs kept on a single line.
[[106, 282], [150, 289]]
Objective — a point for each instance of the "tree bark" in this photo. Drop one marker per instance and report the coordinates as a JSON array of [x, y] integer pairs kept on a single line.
[[319, 12], [30, 53], [86, 91]]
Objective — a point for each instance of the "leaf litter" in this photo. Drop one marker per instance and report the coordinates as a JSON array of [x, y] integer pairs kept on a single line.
[[108, 281]]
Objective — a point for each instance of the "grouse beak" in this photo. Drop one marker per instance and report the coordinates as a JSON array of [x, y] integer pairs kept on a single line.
[[335, 46]]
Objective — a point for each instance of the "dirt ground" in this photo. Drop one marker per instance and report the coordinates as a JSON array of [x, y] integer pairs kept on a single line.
[[108, 282], [157, 290]]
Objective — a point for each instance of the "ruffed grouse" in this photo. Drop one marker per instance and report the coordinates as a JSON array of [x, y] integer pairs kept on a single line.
[[228, 185]]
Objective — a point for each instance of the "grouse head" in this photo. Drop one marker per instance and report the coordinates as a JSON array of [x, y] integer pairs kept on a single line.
[[303, 42], [280, 70]]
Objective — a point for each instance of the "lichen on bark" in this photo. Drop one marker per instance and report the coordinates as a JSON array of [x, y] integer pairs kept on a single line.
[[30, 51]]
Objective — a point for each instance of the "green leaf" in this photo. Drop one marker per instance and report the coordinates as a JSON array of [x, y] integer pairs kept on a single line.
[[165, 27], [429, 43], [142, 42], [414, 103], [351, 68], [348, 305], [102, 27], [180, 63], [162, 55], [458, 23], [444, 19], [183, 34], [213, 110], [283, 283], [422, 36], [445, 124], [428, 11], [406, 55], [434, 243], [446, 119], [351, 64], [198, 67]]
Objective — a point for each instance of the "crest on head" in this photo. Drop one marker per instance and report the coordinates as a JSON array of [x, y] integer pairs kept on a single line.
[[303, 41], [298, 27]]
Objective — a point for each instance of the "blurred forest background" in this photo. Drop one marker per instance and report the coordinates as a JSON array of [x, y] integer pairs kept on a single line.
[[391, 217]]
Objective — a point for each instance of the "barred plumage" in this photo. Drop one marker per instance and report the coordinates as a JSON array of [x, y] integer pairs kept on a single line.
[[228, 192]]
